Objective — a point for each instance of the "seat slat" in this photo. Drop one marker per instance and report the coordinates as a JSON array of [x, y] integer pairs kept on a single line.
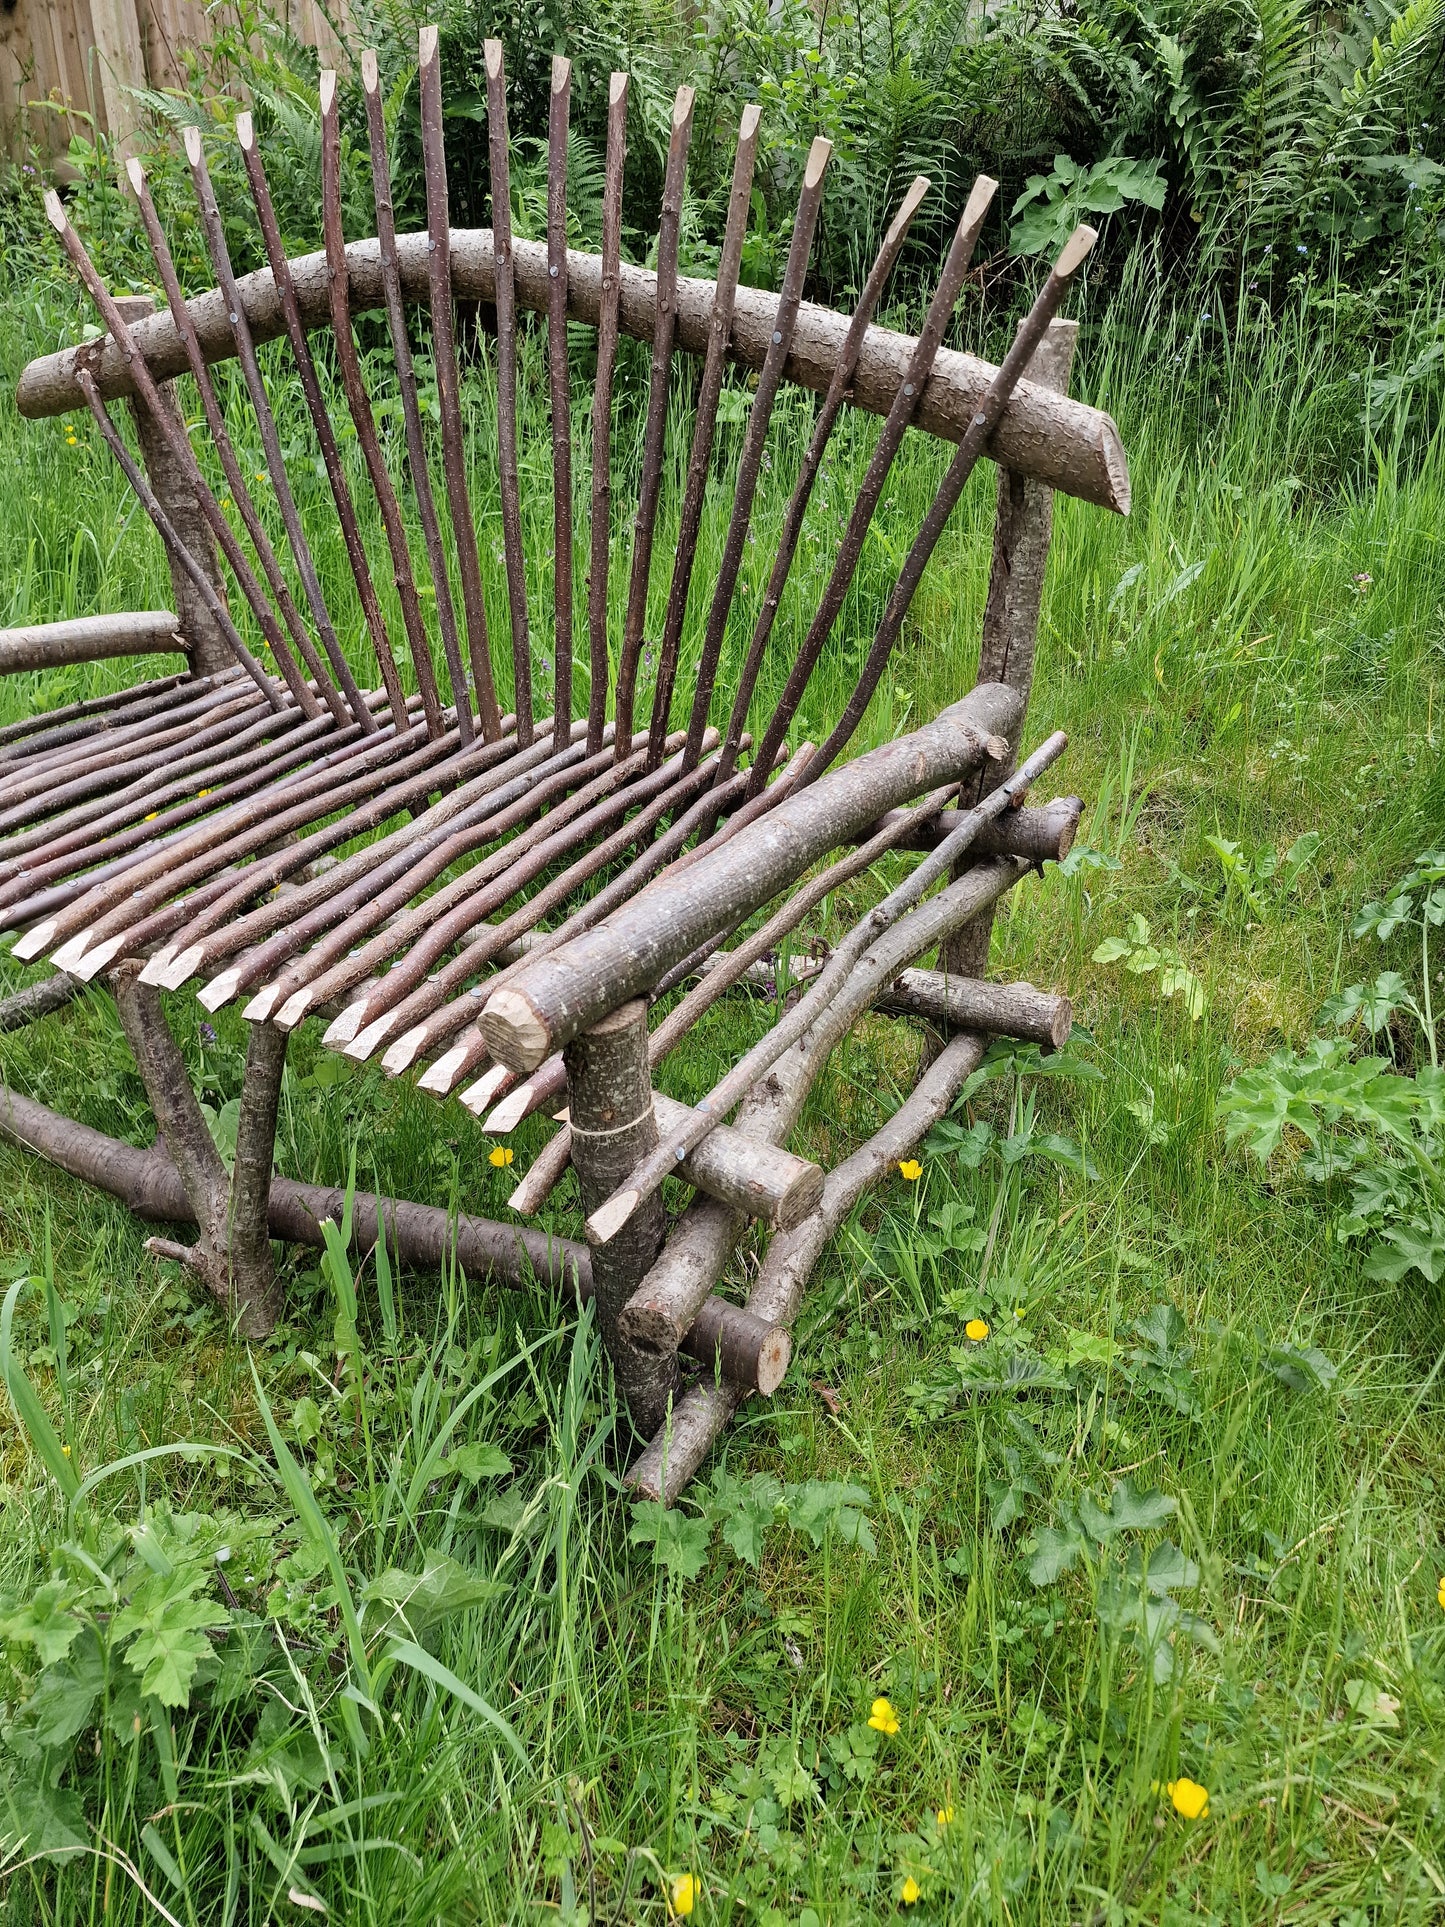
[[704, 424], [329, 681]]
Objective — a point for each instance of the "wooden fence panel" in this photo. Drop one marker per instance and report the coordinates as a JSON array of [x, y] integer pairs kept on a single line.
[[66, 69]]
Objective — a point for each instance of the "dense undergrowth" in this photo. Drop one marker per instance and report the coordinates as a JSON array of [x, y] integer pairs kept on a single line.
[[1110, 1459]]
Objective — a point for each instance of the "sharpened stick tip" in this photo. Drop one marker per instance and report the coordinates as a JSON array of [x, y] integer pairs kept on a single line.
[[370, 71], [608, 1219], [1076, 250]]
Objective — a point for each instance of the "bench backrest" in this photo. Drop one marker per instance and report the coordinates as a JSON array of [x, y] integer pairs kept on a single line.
[[782, 339]]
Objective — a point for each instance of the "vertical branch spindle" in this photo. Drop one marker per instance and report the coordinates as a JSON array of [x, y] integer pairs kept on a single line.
[[505, 296], [655, 434], [444, 351], [560, 384], [601, 531]]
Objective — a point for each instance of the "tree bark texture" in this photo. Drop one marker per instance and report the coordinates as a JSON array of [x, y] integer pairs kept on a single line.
[[232, 1252], [1022, 530], [695, 1423], [609, 1093], [549, 1001], [419, 1236], [207, 646], [1045, 434], [1043, 835], [37, 1000], [970, 1003], [54, 645]]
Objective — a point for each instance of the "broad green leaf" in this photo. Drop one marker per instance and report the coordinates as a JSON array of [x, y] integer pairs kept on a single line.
[[165, 1656], [477, 1462], [63, 1703], [1055, 1552], [678, 1542], [820, 1506], [419, 1599], [44, 1622]]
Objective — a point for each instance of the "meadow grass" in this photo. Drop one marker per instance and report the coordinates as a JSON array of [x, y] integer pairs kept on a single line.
[[1253, 654]]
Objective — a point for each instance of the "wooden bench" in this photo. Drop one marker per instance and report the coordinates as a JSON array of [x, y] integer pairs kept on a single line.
[[468, 870]]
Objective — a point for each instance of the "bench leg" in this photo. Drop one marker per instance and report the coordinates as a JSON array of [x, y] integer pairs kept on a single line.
[[1022, 530], [232, 1253], [609, 1095]]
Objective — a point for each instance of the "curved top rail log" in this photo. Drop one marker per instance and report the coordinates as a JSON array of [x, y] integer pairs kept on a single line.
[[1043, 434]]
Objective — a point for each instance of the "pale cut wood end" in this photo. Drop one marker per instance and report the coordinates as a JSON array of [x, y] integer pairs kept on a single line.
[[514, 1036], [1076, 250], [426, 45], [818, 155], [979, 197], [370, 70]]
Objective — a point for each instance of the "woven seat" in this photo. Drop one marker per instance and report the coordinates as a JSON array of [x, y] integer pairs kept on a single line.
[[404, 848]]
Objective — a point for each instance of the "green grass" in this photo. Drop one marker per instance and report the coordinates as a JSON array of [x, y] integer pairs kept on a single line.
[[1223, 671]]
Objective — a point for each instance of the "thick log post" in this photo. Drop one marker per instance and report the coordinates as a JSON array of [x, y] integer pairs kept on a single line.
[[609, 1094], [207, 647], [1022, 530]]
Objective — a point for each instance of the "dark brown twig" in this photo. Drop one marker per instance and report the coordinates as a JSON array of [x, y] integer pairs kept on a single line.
[[601, 531], [645, 526], [444, 353]]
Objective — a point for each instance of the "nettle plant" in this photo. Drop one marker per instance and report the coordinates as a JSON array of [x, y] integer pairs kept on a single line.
[[1364, 1118]]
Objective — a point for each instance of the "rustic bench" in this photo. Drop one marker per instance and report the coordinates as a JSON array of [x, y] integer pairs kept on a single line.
[[468, 874]]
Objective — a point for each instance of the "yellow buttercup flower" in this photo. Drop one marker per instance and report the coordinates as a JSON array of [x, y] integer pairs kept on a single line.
[[201, 793], [944, 1816], [501, 1155], [1190, 1799], [1440, 1593], [683, 1893], [910, 1169], [976, 1329], [883, 1719], [152, 816], [911, 1891]]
